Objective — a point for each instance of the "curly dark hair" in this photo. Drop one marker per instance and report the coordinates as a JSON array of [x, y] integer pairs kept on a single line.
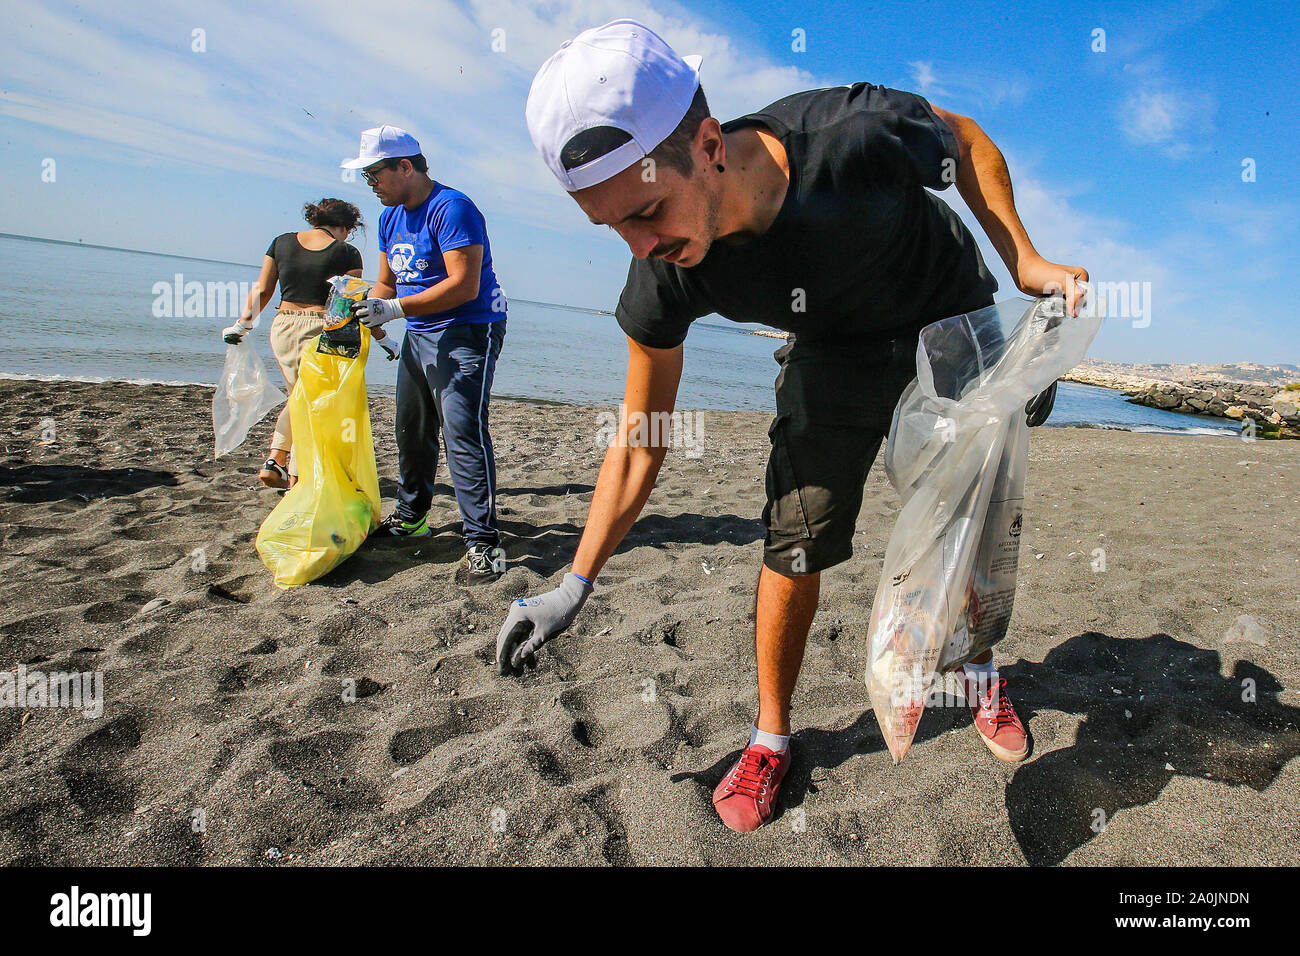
[[333, 212]]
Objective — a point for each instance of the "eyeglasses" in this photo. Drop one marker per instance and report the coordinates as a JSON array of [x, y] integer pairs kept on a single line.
[[371, 173]]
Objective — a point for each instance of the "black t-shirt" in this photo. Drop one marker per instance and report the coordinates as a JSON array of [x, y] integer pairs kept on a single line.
[[859, 246], [304, 272]]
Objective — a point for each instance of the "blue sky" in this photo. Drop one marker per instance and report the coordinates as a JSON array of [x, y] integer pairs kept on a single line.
[[1128, 161]]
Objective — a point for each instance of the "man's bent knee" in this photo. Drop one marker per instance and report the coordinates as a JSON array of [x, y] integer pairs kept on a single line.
[[803, 557]]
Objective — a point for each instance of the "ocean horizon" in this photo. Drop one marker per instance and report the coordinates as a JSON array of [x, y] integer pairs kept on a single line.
[[139, 316]]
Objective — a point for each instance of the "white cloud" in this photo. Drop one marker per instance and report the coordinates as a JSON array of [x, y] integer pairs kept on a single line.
[[1064, 228], [1159, 114], [925, 80], [1204, 290], [251, 105], [1253, 223], [966, 87], [1152, 117]]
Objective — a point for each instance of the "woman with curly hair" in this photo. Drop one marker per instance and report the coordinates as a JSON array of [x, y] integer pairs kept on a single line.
[[302, 263]]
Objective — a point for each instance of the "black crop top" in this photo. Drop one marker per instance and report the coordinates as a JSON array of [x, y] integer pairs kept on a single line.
[[304, 272]]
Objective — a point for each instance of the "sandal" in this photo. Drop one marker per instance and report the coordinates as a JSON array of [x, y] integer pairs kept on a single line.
[[273, 474]]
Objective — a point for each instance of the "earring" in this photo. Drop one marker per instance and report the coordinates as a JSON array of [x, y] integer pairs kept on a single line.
[[721, 168]]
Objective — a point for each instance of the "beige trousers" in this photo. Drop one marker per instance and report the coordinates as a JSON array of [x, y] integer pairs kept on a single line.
[[291, 330]]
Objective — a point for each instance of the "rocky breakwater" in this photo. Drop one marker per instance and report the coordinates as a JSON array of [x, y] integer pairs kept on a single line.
[[1273, 410]]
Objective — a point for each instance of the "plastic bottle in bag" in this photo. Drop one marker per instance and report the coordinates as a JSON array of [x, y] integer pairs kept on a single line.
[[990, 597]]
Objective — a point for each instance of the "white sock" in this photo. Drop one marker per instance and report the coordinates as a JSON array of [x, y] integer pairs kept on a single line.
[[980, 679], [773, 742]]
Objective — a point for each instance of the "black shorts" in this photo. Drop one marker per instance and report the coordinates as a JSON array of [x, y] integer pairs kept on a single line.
[[834, 403]]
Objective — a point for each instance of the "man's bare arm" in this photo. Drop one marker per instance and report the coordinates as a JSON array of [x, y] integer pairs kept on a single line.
[[628, 474], [985, 183], [385, 286], [464, 266]]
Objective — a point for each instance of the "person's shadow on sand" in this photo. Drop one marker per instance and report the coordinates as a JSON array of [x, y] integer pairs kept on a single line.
[[1172, 709], [542, 548], [41, 483], [548, 548], [1174, 714]]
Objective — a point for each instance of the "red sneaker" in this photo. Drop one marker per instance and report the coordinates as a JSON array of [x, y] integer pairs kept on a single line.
[[747, 794], [996, 720]]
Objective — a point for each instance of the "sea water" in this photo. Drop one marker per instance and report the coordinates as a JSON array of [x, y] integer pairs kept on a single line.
[[90, 312]]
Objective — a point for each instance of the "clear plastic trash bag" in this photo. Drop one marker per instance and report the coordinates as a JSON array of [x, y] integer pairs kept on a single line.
[[957, 455], [334, 506], [242, 399]]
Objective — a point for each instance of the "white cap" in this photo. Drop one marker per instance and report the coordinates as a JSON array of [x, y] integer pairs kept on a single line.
[[621, 74], [383, 142]]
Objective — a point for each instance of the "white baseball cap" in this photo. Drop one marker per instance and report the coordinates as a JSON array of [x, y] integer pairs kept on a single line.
[[621, 74], [383, 142]]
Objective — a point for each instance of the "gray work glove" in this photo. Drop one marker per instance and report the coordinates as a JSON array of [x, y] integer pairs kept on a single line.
[[534, 621], [375, 312]]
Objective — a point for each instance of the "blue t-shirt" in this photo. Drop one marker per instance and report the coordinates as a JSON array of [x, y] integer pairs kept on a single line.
[[414, 241]]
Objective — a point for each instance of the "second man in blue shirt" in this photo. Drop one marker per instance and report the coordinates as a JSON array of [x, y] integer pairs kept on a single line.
[[435, 270]]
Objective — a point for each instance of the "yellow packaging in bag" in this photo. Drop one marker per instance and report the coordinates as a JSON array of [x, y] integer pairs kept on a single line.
[[334, 506]]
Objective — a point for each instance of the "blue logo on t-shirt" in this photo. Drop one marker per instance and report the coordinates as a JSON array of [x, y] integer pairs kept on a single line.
[[414, 241]]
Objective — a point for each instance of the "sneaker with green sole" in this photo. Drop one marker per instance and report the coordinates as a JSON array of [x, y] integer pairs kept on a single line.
[[394, 525]]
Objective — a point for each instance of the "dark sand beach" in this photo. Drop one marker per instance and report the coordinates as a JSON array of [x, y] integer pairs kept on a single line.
[[1161, 734]]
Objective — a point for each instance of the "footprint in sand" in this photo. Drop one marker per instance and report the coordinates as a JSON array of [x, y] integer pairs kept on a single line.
[[586, 731], [111, 612], [408, 746], [543, 760], [92, 768]]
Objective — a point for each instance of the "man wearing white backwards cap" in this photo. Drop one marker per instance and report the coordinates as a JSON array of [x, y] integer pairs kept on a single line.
[[813, 216]]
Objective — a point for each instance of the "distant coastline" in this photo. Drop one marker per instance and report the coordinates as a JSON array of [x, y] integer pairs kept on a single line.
[[139, 252], [1141, 375]]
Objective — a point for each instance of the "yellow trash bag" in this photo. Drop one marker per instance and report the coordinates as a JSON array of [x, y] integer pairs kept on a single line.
[[335, 504]]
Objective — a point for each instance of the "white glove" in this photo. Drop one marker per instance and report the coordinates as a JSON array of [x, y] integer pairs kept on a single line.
[[235, 334], [375, 312], [390, 345]]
